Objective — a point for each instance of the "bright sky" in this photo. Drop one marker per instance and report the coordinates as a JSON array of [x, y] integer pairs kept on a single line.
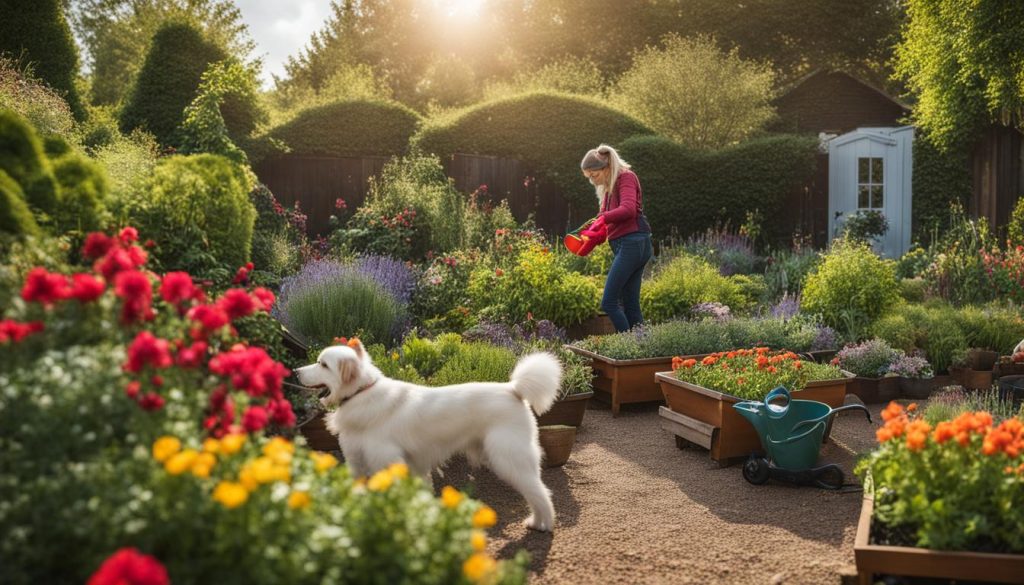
[[281, 29]]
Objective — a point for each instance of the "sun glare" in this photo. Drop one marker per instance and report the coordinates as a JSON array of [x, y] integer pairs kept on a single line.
[[461, 8]]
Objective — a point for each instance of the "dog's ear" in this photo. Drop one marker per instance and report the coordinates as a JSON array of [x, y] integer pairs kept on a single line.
[[348, 368]]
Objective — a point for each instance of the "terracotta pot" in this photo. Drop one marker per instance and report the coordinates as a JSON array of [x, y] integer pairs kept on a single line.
[[977, 379], [568, 411], [982, 359], [907, 561], [706, 417], [597, 325], [917, 388], [317, 435], [626, 381], [556, 442], [875, 390]]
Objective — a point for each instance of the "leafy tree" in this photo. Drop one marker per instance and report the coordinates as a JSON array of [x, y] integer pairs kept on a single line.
[[569, 75], [225, 112], [965, 62], [117, 35], [37, 34], [169, 81], [696, 94]]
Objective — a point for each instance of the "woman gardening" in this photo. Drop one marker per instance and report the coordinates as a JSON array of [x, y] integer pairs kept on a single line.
[[629, 233]]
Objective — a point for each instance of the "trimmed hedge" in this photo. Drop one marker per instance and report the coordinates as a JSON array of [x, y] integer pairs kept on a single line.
[[350, 128], [549, 131], [83, 191], [15, 217], [691, 191], [37, 33], [169, 81], [23, 159]]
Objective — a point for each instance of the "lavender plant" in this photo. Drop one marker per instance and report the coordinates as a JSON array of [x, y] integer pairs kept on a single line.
[[911, 366], [870, 359]]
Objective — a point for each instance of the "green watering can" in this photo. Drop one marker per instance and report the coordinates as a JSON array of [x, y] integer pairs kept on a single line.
[[791, 434]]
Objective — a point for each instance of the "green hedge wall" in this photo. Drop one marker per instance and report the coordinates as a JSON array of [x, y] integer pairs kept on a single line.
[[168, 81], [939, 179], [691, 191], [549, 131], [350, 128], [23, 159], [15, 217]]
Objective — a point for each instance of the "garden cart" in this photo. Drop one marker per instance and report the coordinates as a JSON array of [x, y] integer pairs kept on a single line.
[[791, 434]]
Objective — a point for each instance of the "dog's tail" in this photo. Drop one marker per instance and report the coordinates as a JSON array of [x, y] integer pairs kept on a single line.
[[536, 379]]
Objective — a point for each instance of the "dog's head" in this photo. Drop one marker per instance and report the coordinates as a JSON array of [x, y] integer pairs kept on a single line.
[[339, 369]]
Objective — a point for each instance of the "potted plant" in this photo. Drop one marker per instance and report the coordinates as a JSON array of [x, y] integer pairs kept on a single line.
[[869, 362], [966, 375], [700, 394], [556, 441], [943, 501], [575, 392], [981, 359], [917, 380]]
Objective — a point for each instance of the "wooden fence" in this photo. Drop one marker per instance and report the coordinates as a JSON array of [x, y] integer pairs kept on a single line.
[[317, 182]]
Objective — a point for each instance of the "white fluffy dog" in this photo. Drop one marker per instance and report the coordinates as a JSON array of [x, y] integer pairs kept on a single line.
[[380, 421]]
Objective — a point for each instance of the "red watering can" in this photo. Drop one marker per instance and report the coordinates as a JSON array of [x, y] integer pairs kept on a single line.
[[588, 236]]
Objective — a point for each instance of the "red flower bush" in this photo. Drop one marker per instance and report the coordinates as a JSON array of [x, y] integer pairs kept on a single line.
[[11, 330], [86, 288], [148, 350], [44, 287], [177, 288], [130, 567], [237, 303]]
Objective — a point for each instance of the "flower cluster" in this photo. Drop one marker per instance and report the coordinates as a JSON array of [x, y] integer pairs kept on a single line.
[[128, 566], [911, 366], [870, 359], [751, 373], [713, 310], [1005, 270], [11, 330]]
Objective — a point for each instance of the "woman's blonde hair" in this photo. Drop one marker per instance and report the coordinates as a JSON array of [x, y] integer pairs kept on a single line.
[[604, 156]]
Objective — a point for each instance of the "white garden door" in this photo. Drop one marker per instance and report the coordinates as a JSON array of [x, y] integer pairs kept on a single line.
[[870, 169]]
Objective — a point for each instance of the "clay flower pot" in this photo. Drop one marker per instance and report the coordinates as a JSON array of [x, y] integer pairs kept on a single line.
[[556, 441]]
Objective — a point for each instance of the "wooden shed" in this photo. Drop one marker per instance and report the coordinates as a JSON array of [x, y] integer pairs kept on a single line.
[[833, 103]]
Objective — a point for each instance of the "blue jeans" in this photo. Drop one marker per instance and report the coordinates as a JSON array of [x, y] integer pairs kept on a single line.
[[622, 289]]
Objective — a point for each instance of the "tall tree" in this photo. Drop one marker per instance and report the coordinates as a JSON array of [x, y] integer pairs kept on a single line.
[[965, 62], [117, 34], [169, 80], [37, 34]]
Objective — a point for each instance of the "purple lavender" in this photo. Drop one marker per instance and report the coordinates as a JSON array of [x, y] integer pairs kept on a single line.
[[826, 339], [393, 275], [492, 333], [787, 308], [911, 366], [715, 310], [732, 253], [542, 330]]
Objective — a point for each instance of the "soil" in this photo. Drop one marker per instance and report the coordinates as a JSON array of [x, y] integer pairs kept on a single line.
[[632, 508]]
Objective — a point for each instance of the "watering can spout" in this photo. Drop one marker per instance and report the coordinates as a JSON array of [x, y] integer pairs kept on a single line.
[[752, 412]]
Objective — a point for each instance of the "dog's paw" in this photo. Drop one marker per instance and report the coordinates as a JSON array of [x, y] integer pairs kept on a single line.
[[534, 524]]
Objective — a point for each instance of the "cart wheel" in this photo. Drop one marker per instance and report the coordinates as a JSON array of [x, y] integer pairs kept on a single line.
[[829, 477], [756, 470]]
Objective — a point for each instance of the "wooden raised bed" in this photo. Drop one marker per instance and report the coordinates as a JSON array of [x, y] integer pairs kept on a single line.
[[569, 411], [626, 381], [906, 561], [706, 417], [875, 390], [317, 436], [598, 325]]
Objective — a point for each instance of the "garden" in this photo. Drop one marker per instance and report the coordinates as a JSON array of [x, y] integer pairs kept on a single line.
[[156, 297]]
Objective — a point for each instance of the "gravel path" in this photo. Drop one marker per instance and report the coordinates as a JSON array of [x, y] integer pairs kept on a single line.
[[632, 508]]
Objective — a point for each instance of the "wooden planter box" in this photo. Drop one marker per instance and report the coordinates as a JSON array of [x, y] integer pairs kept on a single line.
[[599, 325], [568, 412], [1010, 369], [918, 388], [317, 435], [976, 379], [706, 417], [626, 381], [982, 359], [906, 561], [822, 356], [875, 390]]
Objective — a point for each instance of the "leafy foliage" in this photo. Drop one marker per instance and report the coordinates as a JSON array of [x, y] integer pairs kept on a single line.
[[15, 217], [350, 128], [225, 112], [30, 97], [852, 283], [684, 283], [23, 159]]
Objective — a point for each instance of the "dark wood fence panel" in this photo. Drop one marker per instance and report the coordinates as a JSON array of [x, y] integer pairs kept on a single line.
[[998, 174], [317, 182]]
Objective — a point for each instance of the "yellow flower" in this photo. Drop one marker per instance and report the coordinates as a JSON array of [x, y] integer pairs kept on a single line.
[[380, 481], [230, 494], [478, 566], [211, 445], [394, 356], [323, 461], [247, 478], [181, 462], [479, 540], [399, 470], [485, 517], [263, 469], [203, 464], [165, 447], [298, 500], [451, 497], [279, 450], [232, 444]]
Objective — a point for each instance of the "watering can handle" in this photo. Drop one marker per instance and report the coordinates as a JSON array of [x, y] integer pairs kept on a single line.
[[832, 413], [776, 393]]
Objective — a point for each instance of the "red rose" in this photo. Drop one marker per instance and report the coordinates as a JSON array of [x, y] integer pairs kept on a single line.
[[151, 401], [44, 287], [281, 412], [148, 350], [210, 317], [177, 287], [114, 261], [132, 389], [130, 567], [11, 330], [255, 418], [97, 244], [264, 298], [236, 303], [129, 235], [86, 288]]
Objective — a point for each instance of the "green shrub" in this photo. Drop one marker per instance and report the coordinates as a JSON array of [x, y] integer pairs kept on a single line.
[[32, 99], [224, 113], [957, 270], [935, 328], [484, 219], [685, 282], [690, 191], [787, 271], [169, 80], [350, 128], [128, 160], [913, 290], [198, 211], [476, 362], [15, 217], [83, 191], [897, 330], [940, 179], [870, 359], [851, 282], [913, 264], [548, 131], [23, 159], [1015, 229], [37, 33]]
